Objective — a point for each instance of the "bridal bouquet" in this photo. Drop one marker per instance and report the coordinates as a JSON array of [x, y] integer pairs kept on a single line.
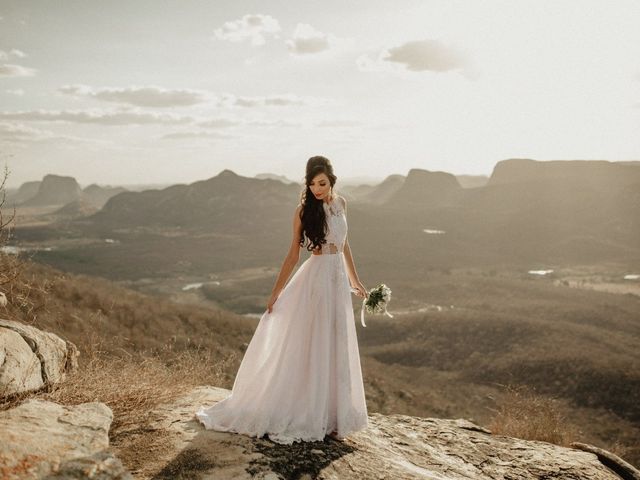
[[376, 301]]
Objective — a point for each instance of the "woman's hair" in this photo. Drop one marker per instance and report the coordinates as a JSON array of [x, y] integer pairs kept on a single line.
[[312, 215]]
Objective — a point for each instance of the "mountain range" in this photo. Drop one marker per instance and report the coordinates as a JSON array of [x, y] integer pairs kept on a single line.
[[61, 190], [529, 211]]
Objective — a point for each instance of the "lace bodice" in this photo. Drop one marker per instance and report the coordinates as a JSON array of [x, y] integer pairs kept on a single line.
[[337, 226]]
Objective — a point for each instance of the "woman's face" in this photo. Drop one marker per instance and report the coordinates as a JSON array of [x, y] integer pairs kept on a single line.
[[320, 186]]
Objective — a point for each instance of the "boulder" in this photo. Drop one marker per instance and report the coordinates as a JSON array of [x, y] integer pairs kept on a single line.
[[42, 439], [31, 358]]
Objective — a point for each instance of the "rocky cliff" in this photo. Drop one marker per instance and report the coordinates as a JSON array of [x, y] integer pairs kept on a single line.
[[41, 439], [392, 447]]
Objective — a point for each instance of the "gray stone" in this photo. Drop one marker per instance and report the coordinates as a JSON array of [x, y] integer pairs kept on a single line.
[[37, 437], [31, 358], [393, 447]]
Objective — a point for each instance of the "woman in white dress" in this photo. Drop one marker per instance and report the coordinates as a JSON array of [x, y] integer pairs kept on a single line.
[[300, 378]]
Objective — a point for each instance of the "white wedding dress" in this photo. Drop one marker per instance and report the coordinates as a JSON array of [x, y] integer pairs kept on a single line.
[[300, 377]]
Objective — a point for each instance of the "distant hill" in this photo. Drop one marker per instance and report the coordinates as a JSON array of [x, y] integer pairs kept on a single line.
[[76, 209], [382, 192], [226, 202], [61, 190], [26, 191], [427, 189], [472, 181], [55, 190], [528, 213], [544, 212], [374, 194], [272, 176], [598, 174], [98, 196]]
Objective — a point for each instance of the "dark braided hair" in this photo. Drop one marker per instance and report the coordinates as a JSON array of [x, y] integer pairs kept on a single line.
[[312, 215]]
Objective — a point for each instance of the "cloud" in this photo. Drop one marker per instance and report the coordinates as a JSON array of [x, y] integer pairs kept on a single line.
[[338, 123], [308, 40], [255, 122], [149, 96], [420, 56], [154, 96], [423, 55], [134, 117], [15, 133], [194, 134], [15, 52], [253, 27], [99, 117], [17, 91], [10, 70], [219, 123], [277, 100]]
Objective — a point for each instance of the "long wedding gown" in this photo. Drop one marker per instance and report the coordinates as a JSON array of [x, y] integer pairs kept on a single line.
[[300, 377]]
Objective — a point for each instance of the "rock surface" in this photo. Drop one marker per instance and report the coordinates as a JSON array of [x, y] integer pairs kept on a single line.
[[39, 438], [31, 358], [393, 447]]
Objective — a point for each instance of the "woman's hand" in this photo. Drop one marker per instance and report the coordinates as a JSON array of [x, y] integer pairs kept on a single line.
[[272, 300], [362, 291]]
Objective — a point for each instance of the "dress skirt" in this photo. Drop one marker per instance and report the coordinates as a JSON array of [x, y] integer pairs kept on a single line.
[[300, 377]]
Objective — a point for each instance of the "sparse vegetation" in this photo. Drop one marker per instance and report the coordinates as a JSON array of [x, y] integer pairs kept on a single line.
[[132, 384], [524, 413]]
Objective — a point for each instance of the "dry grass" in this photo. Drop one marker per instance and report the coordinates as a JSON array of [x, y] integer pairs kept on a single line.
[[526, 414], [523, 413], [132, 384]]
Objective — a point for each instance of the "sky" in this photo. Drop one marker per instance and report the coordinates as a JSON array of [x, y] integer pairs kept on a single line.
[[146, 91]]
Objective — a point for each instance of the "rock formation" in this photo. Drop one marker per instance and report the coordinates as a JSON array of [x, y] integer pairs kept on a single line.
[[392, 447], [427, 189], [599, 174], [31, 358], [41, 439], [229, 202], [26, 191], [55, 190]]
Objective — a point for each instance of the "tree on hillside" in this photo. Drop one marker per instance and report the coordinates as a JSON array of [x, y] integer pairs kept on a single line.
[[5, 226], [17, 293]]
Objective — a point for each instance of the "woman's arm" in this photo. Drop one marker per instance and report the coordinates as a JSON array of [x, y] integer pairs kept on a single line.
[[353, 275], [290, 261], [354, 280]]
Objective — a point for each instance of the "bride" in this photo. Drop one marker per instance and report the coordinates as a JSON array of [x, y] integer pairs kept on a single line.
[[300, 378]]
